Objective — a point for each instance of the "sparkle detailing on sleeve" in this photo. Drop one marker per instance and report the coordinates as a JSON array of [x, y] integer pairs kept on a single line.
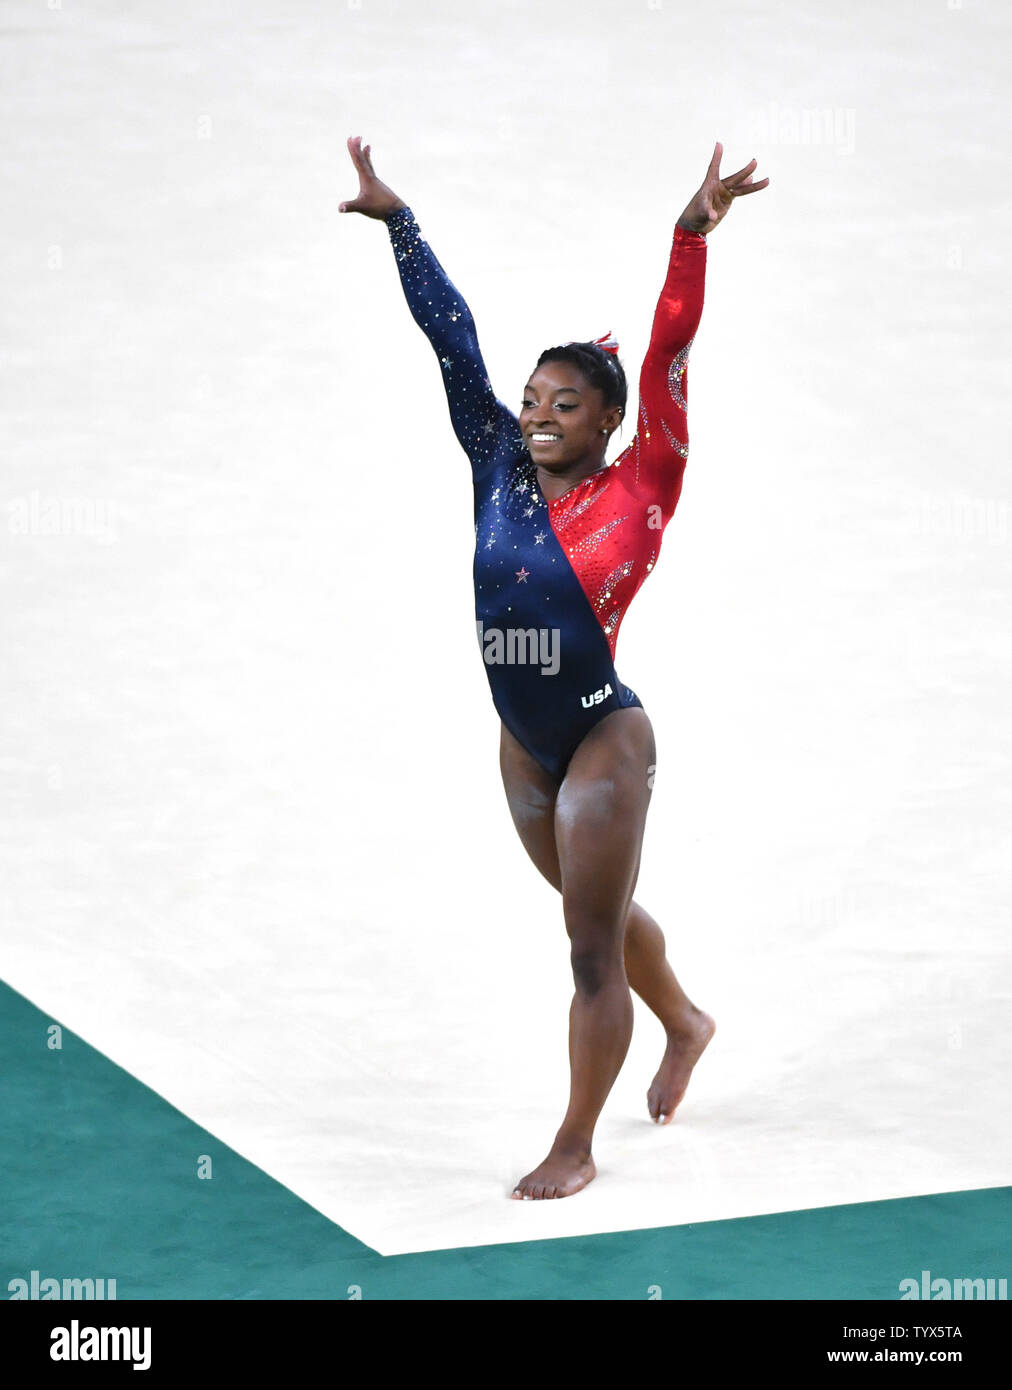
[[682, 450], [676, 375], [484, 426]]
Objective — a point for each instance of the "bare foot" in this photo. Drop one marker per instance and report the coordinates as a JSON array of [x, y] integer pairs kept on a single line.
[[684, 1049], [563, 1172]]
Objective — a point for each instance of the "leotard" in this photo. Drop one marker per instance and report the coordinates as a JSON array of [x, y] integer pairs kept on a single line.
[[554, 578]]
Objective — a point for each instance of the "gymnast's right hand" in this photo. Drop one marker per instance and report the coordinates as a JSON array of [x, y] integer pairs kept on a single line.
[[374, 199]]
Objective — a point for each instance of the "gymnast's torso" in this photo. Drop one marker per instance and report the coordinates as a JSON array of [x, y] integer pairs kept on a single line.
[[553, 578]]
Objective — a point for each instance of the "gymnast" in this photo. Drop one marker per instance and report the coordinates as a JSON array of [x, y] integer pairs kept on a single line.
[[563, 541]]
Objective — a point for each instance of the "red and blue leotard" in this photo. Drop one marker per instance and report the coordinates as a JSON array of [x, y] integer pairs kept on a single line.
[[553, 578]]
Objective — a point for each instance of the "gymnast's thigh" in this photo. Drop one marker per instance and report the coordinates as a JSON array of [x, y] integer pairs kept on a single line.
[[600, 817], [531, 792]]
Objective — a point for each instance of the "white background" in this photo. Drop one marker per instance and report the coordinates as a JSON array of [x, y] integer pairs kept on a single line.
[[255, 844]]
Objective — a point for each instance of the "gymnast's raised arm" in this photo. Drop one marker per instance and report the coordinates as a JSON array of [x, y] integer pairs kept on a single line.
[[661, 445], [481, 422]]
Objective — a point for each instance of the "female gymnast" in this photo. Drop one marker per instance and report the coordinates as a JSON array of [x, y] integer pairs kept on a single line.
[[563, 542]]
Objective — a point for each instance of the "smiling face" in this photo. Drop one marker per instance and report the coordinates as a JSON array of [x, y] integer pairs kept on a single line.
[[562, 417]]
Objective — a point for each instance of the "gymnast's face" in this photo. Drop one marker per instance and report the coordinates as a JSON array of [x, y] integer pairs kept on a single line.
[[562, 417]]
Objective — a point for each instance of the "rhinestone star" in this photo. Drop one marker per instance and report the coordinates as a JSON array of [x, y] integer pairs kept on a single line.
[[521, 575]]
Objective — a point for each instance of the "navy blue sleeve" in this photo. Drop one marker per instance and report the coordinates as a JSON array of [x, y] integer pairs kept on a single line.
[[482, 423]]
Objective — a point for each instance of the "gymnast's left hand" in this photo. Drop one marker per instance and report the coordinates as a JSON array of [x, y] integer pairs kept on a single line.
[[709, 205]]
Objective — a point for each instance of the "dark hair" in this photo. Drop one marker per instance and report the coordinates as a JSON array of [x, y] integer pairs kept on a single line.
[[602, 369]]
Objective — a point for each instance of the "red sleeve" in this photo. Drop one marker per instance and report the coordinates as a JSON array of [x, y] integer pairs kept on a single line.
[[660, 446]]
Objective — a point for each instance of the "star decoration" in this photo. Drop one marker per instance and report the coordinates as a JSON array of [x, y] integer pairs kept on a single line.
[[539, 538], [521, 575]]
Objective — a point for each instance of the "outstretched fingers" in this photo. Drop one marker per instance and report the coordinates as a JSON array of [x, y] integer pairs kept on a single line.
[[738, 184], [748, 187], [741, 174], [721, 191], [361, 157]]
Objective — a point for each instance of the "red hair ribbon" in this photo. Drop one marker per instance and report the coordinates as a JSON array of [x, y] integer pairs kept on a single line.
[[607, 342]]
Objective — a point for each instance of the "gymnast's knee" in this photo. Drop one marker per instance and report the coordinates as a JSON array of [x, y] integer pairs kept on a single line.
[[595, 968]]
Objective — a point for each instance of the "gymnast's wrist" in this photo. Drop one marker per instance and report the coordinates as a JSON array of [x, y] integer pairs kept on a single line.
[[688, 227]]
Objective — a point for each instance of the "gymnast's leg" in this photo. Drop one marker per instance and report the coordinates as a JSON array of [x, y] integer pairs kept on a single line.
[[599, 816], [531, 794]]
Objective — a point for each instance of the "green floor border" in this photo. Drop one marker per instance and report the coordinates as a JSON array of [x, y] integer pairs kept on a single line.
[[100, 1181]]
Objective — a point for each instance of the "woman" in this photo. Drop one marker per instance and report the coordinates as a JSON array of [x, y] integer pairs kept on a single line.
[[563, 542]]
